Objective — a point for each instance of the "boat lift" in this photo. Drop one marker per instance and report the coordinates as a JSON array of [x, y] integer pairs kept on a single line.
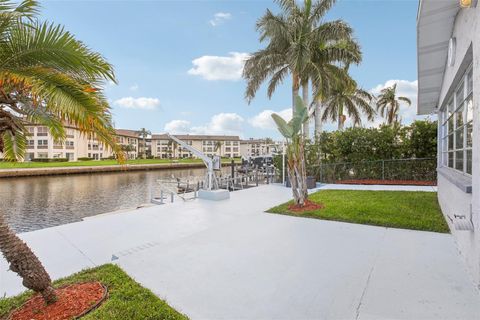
[[210, 189]]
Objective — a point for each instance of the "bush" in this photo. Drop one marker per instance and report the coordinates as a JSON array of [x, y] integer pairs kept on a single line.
[[84, 159], [49, 159]]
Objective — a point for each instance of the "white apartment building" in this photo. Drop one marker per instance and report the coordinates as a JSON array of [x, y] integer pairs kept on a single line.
[[258, 147], [449, 85], [129, 139], [225, 146]]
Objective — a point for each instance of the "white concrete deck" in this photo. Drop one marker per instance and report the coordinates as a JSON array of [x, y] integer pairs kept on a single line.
[[229, 259]]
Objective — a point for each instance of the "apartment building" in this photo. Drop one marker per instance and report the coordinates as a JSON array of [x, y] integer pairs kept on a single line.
[[225, 146], [129, 140], [258, 147]]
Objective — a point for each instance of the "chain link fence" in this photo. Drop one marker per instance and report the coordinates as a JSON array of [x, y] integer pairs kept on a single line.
[[408, 171]]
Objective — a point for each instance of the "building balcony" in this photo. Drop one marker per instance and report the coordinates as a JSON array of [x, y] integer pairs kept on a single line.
[[69, 147], [42, 147]]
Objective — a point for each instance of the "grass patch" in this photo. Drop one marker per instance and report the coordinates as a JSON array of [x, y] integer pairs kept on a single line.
[[19, 165], [393, 209], [127, 299]]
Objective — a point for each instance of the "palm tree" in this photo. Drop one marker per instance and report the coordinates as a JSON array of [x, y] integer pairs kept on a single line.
[[388, 104], [144, 133], [217, 147], [346, 97], [49, 78], [300, 44]]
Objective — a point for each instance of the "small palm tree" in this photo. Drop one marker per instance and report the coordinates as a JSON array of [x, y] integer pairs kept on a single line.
[[144, 133], [49, 78], [388, 104], [296, 166], [346, 97], [218, 147]]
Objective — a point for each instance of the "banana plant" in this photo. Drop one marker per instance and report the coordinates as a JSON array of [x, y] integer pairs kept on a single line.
[[292, 132]]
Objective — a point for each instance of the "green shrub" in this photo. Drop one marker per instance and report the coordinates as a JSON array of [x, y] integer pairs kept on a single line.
[[84, 159], [49, 159]]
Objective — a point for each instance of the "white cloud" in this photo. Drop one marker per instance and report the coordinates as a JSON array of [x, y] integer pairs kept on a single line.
[[219, 68], [134, 87], [222, 124], [138, 103], [219, 18], [264, 120], [177, 126]]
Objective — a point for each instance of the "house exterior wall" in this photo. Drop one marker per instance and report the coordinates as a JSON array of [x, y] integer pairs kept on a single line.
[[459, 194]]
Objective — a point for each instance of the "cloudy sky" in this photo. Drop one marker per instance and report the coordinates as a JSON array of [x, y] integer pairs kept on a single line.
[[179, 63]]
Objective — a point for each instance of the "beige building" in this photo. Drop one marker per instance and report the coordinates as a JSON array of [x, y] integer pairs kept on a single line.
[[225, 146], [258, 147], [129, 139]]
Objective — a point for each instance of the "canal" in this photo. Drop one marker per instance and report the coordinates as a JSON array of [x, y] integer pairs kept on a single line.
[[33, 203]]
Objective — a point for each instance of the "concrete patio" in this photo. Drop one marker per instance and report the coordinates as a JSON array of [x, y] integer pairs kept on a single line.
[[229, 259]]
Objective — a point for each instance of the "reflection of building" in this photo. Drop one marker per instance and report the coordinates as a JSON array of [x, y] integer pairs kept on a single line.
[[449, 85], [224, 146], [258, 147]]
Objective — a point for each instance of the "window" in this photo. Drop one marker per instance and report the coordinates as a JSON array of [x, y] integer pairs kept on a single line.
[[30, 144], [42, 155], [42, 131], [69, 144], [457, 127], [42, 144]]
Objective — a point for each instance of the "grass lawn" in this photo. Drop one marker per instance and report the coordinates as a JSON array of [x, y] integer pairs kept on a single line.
[[394, 209], [127, 299], [17, 165]]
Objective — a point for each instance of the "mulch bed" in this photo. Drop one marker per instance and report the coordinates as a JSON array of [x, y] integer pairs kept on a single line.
[[308, 206], [73, 302], [389, 182]]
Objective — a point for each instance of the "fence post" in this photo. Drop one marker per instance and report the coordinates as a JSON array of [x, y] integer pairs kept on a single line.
[[383, 169]]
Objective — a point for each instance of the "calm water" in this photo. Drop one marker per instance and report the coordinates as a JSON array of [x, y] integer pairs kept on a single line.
[[33, 203]]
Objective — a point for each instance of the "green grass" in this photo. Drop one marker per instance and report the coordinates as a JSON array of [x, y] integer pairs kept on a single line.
[[127, 299], [19, 165], [393, 209]]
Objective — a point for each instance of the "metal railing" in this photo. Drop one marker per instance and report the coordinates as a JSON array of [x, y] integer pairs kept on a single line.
[[421, 169]]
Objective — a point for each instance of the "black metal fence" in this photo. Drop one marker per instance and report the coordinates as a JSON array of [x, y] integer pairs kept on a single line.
[[420, 170]]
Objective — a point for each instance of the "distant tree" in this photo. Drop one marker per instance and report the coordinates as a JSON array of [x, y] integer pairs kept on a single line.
[[144, 133], [218, 147], [346, 98], [388, 104]]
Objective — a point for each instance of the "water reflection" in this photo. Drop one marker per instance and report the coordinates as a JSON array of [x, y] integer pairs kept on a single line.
[[33, 203]]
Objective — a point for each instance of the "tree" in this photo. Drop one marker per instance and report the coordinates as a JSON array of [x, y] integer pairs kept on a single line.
[[49, 78], [301, 45], [127, 148], [346, 97], [144, 133], [218, 147], [388, 104], [295, 152]]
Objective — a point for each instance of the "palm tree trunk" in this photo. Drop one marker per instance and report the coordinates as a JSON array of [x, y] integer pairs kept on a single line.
[[306, 125], [318, 118], [340, 122], [295, 90], [25, 263]]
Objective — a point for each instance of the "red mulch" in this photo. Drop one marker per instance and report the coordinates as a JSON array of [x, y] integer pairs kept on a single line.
[[389, 182], [73, 301], [308, 206]]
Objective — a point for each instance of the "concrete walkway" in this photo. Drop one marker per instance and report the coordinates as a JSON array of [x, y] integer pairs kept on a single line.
[[225, 260]]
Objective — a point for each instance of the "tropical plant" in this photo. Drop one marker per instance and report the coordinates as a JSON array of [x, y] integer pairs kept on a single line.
[[300, 44], [388, 104], [47, 77], [127, 148], [295, 152], [346, 97], [144, 133], [218, 146]]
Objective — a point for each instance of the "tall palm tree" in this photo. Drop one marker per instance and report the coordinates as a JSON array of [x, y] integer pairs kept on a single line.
[[300, 45], [144, 133], [388, 104], [218, 147], [49, 78], [346, 97]]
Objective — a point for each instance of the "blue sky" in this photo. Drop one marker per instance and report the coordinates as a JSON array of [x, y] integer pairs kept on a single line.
[[177, 62]]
